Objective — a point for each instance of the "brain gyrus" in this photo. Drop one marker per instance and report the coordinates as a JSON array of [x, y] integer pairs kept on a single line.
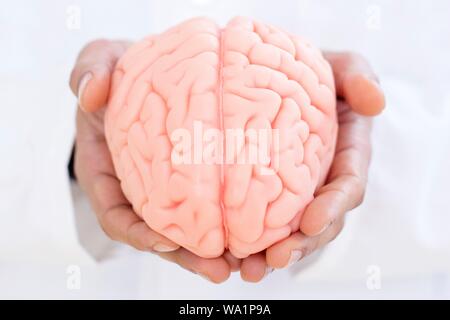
[[220, 136]]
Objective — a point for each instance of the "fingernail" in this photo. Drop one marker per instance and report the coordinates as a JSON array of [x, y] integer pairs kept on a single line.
[[325, 227], [296, 255], [269, 270], [82, 86], [159, 247], [205, 277], [374, 79]]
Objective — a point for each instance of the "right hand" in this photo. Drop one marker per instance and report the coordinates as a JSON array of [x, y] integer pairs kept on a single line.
[[90, 81]]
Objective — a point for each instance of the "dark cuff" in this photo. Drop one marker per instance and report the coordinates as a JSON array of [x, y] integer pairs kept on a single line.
[[70, 166]]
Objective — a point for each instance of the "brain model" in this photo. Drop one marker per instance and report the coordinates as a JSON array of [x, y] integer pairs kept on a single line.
[[220, 136]]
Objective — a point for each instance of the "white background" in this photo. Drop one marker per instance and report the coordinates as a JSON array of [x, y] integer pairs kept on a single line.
[[397, 244]]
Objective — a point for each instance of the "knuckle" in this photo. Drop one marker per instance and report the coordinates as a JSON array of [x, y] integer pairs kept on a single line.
[[107, 225], [360, 187], [360, 199], [337, 230], [338, 226], [107, 230], [134, 240], [357, 189]]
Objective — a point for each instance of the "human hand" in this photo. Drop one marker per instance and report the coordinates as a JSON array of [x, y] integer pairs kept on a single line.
[[90, 81], [359, 96]]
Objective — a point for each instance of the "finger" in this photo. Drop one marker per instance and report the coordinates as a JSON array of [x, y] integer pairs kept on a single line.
[[119, 221], [335, 199], [331, 233], [215, 270], [347, 178], [112, 209], [91, 77], [291, 250], [235, 263], [356, 82], [254, 268]]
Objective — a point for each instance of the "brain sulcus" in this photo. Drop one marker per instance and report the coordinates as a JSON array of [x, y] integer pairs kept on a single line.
[[221, 136]]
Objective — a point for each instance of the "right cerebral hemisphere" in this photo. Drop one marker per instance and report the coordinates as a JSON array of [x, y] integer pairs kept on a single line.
[[246, 76]]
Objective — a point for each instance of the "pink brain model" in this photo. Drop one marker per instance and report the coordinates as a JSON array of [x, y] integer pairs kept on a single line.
[[174, 94]]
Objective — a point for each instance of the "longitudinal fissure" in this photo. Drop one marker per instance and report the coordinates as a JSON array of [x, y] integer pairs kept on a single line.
[[221, 128]]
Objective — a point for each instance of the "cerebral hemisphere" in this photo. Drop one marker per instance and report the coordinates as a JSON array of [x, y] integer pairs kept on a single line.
[[221, 136]]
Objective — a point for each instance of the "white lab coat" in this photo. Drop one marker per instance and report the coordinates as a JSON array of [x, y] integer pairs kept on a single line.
[[395, 245]]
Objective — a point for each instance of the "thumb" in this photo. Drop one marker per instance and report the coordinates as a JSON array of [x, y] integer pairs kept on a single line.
[[356, 83], [90, 79]]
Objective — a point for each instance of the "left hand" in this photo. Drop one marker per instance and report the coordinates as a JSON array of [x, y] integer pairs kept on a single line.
[[359, 96]]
